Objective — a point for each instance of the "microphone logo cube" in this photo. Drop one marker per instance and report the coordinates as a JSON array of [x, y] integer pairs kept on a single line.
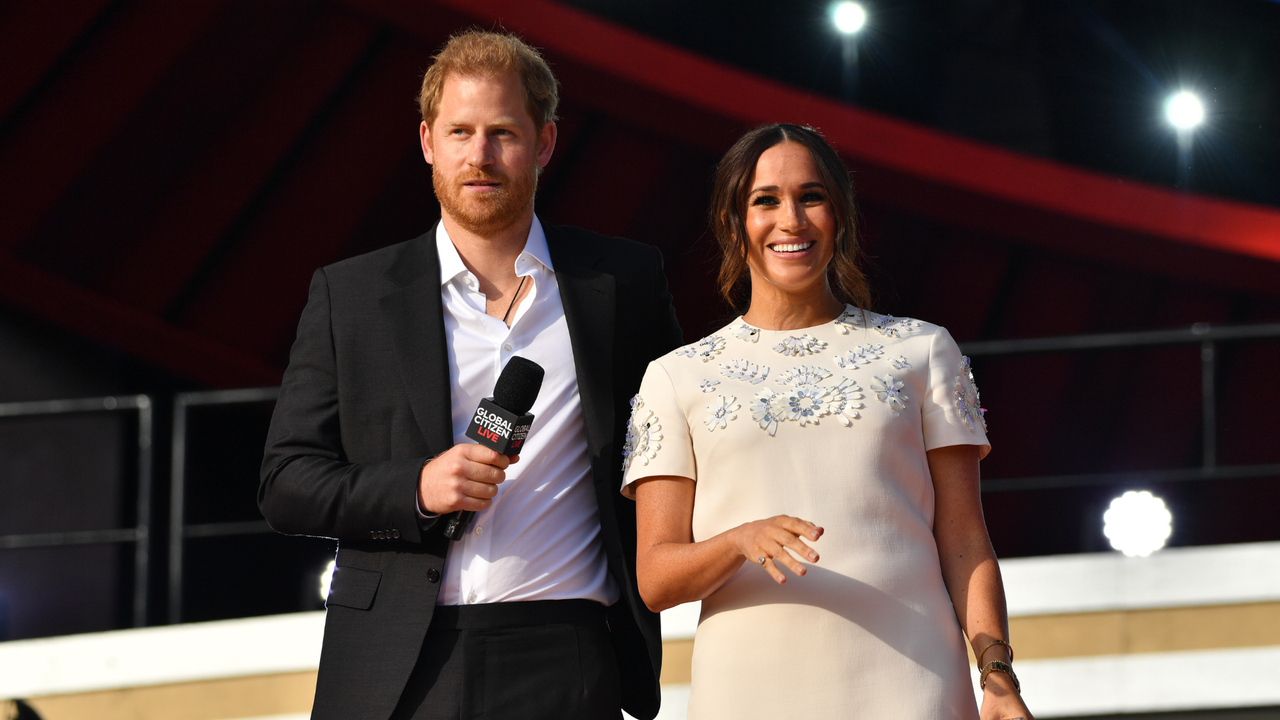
[[499, 429]]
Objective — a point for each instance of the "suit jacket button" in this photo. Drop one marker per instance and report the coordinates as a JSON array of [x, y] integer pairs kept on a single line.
[[433, 575], [395, 534], [373, 534]]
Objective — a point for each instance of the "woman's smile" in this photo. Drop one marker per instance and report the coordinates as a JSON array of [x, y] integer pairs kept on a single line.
[[791, 248]]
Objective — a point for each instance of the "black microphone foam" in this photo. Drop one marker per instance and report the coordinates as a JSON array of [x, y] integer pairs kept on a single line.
[[518, 385]]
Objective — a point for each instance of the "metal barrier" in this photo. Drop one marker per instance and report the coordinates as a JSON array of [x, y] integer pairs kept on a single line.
[[179, 531], [1202, 334], [140, 534]]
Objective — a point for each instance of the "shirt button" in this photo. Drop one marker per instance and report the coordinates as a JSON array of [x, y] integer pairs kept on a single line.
[[506, 346], [479, 530], [471, 598]]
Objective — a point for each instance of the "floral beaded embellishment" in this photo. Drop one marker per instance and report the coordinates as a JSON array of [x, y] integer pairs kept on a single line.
[[643, 435], [800, 346], [707, 386], [720, 413], [806, 400], [705, 349], [745, 371], [890, 326], [861, 355], [764, 412], [842, 401], [747, 333], [968, 401], [848, 320], [888, 390], [901, 363], [804, 375]]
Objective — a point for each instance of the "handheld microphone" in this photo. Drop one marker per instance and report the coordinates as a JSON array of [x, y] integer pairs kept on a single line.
[[502, 422]]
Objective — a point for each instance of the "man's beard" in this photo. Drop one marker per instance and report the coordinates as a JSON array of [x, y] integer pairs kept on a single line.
[[488, 213]]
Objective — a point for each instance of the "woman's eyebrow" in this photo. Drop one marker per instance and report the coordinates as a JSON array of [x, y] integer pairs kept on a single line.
[[774, 188]]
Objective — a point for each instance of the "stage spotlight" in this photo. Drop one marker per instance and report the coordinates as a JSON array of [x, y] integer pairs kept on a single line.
[[1184, 110], [849, 17], [326, 579], [1137, 523]]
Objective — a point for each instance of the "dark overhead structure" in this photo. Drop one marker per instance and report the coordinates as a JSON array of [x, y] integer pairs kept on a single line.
[[174, 172]]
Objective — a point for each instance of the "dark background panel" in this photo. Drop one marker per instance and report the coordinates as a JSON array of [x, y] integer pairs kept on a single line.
[[177, 172]]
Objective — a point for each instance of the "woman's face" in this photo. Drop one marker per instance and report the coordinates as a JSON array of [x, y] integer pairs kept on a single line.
[[791, 226]]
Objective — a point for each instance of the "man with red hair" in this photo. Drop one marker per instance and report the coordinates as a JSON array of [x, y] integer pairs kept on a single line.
[[534, 612]]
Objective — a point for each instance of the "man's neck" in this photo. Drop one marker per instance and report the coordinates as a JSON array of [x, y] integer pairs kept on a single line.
[[491, 258]]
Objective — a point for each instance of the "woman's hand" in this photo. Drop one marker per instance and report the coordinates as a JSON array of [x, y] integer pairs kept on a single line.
[[762, 543], [1000, 701], [672, 569]]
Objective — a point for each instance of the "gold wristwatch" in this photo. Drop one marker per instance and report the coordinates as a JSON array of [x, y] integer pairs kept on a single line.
[[999, 666]]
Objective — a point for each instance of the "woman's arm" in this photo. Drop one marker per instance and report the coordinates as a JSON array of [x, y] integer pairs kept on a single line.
[[970, 571], [672, 569]]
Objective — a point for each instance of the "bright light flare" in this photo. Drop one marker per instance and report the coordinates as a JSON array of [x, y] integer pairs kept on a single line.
[[326, 579], [1184, 110], [849, 17], [1137, 523]]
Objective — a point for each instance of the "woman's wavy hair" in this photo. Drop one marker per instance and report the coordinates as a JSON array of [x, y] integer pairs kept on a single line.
[[729, 208]]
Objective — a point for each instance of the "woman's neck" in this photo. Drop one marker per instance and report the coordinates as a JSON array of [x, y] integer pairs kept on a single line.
[[776, 310]]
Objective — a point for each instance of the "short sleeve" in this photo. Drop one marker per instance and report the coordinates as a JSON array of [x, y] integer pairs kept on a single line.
[[658, 439], [952, 412]]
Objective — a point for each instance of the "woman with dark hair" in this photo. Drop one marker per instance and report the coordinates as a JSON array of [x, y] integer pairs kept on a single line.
[[814, 436]]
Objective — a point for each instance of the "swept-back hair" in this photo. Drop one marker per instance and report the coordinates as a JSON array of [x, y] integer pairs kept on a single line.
[[729, 208], [486, 54]]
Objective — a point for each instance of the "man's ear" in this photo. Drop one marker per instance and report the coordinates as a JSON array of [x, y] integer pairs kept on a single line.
[[424, 132], [546, 144]]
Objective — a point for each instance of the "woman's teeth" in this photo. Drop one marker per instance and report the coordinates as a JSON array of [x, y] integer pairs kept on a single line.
[[792, 247]]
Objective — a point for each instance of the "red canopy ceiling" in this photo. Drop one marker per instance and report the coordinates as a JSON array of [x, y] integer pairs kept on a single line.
[[174, 172]]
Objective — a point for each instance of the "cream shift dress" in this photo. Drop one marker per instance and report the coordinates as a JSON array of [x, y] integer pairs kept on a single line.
[[829, 424]]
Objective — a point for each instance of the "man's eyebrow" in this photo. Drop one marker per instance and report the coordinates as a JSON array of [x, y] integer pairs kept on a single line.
[[502, 121]]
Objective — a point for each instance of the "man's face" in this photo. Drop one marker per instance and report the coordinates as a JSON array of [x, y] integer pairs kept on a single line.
[[485, 152]]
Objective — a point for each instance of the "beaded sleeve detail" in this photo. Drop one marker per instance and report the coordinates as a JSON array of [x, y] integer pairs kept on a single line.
[[644, 435], [968, 401]]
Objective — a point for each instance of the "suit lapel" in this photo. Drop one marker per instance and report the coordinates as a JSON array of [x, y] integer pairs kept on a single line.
[[588, 296], [416, 317]]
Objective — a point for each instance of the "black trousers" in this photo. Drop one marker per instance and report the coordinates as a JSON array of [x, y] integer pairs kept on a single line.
[[525, 660]]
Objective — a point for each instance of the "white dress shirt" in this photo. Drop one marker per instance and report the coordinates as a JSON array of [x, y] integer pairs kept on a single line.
[[540, 539]]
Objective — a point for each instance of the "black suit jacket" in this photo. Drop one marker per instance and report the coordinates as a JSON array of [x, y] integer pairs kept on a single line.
[[365, 402]]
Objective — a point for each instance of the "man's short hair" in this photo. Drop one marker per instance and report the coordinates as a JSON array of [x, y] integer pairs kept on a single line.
[[477, 53]]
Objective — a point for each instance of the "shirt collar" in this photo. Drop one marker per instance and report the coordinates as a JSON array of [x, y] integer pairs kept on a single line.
[[451, 265]]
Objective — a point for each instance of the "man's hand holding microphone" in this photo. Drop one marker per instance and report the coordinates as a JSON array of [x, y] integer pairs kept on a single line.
[[464, 479]]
